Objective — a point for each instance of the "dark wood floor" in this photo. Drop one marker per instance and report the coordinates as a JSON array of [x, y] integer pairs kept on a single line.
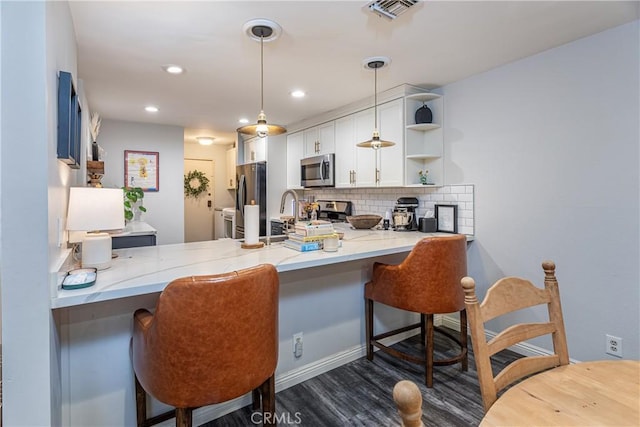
[[360, 393]]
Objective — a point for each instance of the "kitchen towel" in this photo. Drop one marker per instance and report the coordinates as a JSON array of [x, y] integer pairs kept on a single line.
[[251, 224]]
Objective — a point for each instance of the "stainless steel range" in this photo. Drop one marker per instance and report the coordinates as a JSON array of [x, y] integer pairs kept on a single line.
[[334, 211]]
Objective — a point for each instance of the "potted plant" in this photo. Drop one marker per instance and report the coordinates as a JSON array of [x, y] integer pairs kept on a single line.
[[133, 202], [423, 177]]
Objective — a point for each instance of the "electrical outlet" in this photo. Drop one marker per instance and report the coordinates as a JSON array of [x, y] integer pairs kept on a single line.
[[614, 346], [297, 344]]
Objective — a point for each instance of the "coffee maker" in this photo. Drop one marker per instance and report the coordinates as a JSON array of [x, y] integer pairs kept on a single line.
[[404, 214]]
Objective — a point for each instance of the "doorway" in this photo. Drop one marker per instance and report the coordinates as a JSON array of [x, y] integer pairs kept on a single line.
[[198, 211]]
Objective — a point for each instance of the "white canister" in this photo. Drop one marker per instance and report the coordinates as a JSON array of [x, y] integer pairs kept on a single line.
[[330, 244]]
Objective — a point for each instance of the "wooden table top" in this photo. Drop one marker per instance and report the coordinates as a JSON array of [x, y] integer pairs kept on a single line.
[[583, 394]]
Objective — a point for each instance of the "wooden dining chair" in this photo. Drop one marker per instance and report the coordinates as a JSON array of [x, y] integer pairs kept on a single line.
[[211, 339], [505, 296]]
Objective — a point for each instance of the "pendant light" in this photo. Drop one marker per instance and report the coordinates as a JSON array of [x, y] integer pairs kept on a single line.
[[375, 142], [262, 29]]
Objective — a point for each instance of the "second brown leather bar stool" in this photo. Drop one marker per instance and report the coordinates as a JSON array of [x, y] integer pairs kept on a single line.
[[210, 340], [426, 282]]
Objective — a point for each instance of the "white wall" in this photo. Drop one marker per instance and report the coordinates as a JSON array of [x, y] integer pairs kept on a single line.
[[165, 208], [551, 144]]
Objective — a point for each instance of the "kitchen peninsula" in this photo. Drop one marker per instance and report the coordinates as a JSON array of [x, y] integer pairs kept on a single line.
[[320, 295]]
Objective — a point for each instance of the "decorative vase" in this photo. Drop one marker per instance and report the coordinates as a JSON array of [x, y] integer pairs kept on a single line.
[[424, 115], [95, 154]]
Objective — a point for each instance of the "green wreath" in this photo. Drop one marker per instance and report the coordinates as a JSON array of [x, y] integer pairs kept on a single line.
[[202, 180]]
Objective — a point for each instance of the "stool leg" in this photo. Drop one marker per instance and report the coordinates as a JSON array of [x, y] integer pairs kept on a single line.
[[268, 392], [141, 403], [464, 340], [368, 309], [422, 328], [428, 372], [183, 417], [255, 399]]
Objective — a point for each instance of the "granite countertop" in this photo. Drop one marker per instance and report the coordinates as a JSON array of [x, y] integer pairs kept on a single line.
[[145, 270]]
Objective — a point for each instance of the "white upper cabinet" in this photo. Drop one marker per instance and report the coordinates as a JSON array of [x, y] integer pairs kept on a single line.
[[294, 154], [390, 172], [418, 146], [345, 158], [319, 140], [365, 173], [355, 166], [255, 150]]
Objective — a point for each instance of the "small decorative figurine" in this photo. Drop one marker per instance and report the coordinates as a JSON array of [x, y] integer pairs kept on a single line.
[[423, 177]]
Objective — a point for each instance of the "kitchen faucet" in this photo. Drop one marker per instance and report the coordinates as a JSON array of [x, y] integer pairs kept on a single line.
[[295, 208]]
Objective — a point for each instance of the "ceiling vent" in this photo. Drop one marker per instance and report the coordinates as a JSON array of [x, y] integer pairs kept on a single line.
[[390, 8]]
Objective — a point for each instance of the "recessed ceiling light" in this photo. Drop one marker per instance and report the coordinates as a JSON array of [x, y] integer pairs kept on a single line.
[[173, 69], [298, 94], [151, 109], [243, 120], [205, 140]]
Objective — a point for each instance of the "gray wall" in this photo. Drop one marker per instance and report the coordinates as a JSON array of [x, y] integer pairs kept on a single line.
[[165, 208], [551, 144], [37, 41]]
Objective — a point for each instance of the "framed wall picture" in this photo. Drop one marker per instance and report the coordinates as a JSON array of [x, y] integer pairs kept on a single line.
[[447, 216], [142, 169], [69, 121]]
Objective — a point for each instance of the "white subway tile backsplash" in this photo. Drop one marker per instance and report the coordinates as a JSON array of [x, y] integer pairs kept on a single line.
[[379, 200]]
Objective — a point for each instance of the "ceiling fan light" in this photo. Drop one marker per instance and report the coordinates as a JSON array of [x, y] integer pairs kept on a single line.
[[205, 140]]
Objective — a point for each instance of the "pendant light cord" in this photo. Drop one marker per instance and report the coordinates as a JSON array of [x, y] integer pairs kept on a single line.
[[262, 72], [375, 96]]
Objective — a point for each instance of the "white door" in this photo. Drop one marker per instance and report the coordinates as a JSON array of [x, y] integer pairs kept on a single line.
[[198, 211]]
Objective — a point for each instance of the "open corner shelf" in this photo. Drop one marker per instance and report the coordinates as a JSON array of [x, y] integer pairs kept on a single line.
[[424, 126]]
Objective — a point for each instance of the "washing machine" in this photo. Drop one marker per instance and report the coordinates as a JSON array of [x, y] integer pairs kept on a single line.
[[229, 218]]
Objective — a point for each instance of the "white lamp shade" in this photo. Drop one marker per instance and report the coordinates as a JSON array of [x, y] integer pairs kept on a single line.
[[95, 209]]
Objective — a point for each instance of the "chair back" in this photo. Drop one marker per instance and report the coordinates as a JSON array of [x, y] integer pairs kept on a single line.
[[211, 339], [505, 296], [427, 281]]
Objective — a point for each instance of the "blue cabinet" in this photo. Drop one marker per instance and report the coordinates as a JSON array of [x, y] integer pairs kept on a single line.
[[69, 121]]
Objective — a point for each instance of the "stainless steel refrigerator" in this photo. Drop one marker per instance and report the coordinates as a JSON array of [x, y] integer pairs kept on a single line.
[[251, 184]]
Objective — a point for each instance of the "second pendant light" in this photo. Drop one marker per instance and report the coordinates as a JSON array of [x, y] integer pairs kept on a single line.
[[375, 142]]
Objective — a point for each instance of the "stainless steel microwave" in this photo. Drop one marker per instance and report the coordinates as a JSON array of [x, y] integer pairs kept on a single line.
[[318, 171]]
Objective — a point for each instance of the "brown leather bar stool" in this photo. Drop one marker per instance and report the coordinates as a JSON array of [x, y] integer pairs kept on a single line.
[[211, 339], [426, 282]]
